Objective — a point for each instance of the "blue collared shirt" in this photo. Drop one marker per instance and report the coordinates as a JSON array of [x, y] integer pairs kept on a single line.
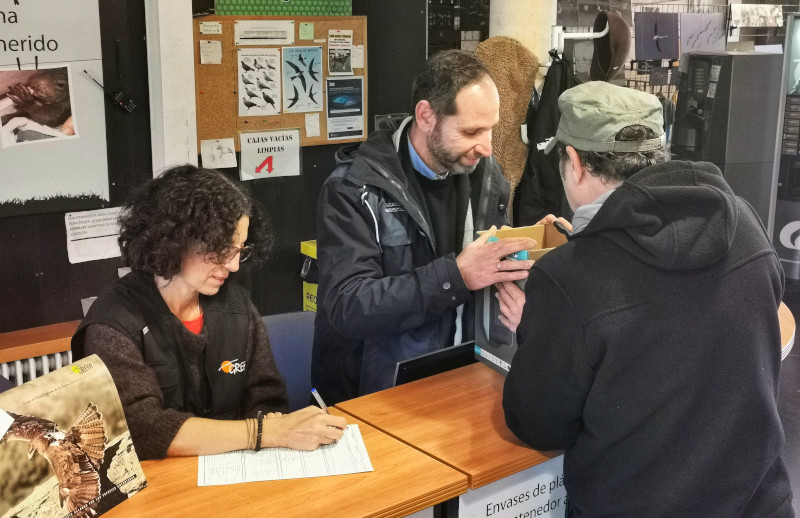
[[421, 167]]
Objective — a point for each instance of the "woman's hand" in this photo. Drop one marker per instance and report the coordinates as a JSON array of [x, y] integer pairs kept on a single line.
[[305, 429]]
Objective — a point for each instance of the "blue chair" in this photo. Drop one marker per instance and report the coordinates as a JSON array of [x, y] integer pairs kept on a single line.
[[291, 336]]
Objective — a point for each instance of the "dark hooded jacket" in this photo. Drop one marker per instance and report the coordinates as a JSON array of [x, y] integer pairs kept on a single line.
[[650, 351], [384, 296]]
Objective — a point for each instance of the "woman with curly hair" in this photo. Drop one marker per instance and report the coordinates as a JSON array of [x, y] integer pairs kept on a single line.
[[188, 351]]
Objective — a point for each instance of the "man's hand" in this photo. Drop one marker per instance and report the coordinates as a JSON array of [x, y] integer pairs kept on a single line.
[[550, 219], [512, 300], [305, 429], [481, 263]]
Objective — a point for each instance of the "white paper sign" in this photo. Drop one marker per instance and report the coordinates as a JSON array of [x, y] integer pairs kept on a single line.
[[266, 154], [537, 491], [210, 28], [92, 234]]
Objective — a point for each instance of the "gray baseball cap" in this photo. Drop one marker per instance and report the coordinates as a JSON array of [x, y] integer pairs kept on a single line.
[[593, 113]]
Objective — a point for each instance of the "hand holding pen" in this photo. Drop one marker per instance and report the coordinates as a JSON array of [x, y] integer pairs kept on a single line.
[[305, 429]]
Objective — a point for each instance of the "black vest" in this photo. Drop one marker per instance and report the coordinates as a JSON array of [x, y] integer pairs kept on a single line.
[[133, 306]]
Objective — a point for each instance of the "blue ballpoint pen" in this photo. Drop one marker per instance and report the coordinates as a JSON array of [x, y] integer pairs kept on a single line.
[[322, 404]]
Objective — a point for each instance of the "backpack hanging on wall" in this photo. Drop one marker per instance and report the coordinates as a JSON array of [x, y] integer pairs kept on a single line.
[[540, 191]]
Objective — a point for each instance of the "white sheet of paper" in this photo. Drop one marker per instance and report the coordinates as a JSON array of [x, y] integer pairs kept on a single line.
[[312, 124], [210, 52], [5, 422], [357, 56], [218, 153], [92, 234], [347, 455]]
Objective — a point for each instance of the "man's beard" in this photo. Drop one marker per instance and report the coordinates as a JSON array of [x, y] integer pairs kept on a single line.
[[447, 159]]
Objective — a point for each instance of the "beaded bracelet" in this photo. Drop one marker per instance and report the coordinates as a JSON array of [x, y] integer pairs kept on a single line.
[[260, 418]]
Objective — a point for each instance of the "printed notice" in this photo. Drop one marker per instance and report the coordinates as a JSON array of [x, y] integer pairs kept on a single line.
[[347, 455], [340, 48], [263, 32], [345, 104], [92, 235]]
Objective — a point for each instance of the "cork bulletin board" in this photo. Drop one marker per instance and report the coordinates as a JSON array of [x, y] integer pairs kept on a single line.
[[217, 86]]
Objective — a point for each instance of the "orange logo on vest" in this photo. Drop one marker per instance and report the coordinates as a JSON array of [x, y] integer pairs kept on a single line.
[[232, 367]]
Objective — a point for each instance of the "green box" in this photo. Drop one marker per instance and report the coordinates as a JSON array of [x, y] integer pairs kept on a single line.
[[284, 7]]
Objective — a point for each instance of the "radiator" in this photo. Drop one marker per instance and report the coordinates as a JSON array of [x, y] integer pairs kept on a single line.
[[20, 371]]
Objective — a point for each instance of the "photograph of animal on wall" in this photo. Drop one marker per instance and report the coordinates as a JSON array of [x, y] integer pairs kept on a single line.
[[36, 105]]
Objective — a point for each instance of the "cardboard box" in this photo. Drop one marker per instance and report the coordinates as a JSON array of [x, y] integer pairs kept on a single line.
[[309, 275], [495, 344]]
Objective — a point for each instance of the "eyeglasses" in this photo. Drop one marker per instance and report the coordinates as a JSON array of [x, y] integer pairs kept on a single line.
[[244, 254]]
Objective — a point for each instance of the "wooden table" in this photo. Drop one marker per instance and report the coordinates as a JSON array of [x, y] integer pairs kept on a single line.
[[456, 417], [404, 481]]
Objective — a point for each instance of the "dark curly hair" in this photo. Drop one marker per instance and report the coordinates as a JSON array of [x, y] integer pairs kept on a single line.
[[620, 166], [186, 210]]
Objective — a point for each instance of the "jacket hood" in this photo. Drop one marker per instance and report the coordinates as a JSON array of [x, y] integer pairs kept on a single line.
[[375, 147], [674, 215]]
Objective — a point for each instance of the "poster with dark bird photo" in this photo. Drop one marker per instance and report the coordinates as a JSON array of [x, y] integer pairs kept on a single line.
[[302, 79], [65, 448], [35, 106], [259, 78], [656, 36]]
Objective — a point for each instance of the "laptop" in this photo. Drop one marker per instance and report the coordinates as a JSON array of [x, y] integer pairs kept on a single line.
[[434, 362]]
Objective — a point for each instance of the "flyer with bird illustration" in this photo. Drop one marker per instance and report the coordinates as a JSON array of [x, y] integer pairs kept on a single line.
[[65, 448], [302, 79], [259, 81]]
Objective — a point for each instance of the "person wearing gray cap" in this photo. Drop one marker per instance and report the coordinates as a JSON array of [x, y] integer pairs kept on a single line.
[[649, 343]]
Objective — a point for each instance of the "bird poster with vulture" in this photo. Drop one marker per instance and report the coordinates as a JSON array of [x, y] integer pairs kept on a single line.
[[302, 79], [65, 448], [259, 81]]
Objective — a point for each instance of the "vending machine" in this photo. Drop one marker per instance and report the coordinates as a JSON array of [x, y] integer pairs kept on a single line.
[[727, 114], [786, 237]]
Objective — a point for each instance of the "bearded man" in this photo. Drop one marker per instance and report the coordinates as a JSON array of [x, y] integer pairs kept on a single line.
[[396, 221]]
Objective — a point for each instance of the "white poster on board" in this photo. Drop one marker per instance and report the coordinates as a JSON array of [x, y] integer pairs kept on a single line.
[[345, 101], [259, 81], [266, 154], [302, 79], [52, 115]]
